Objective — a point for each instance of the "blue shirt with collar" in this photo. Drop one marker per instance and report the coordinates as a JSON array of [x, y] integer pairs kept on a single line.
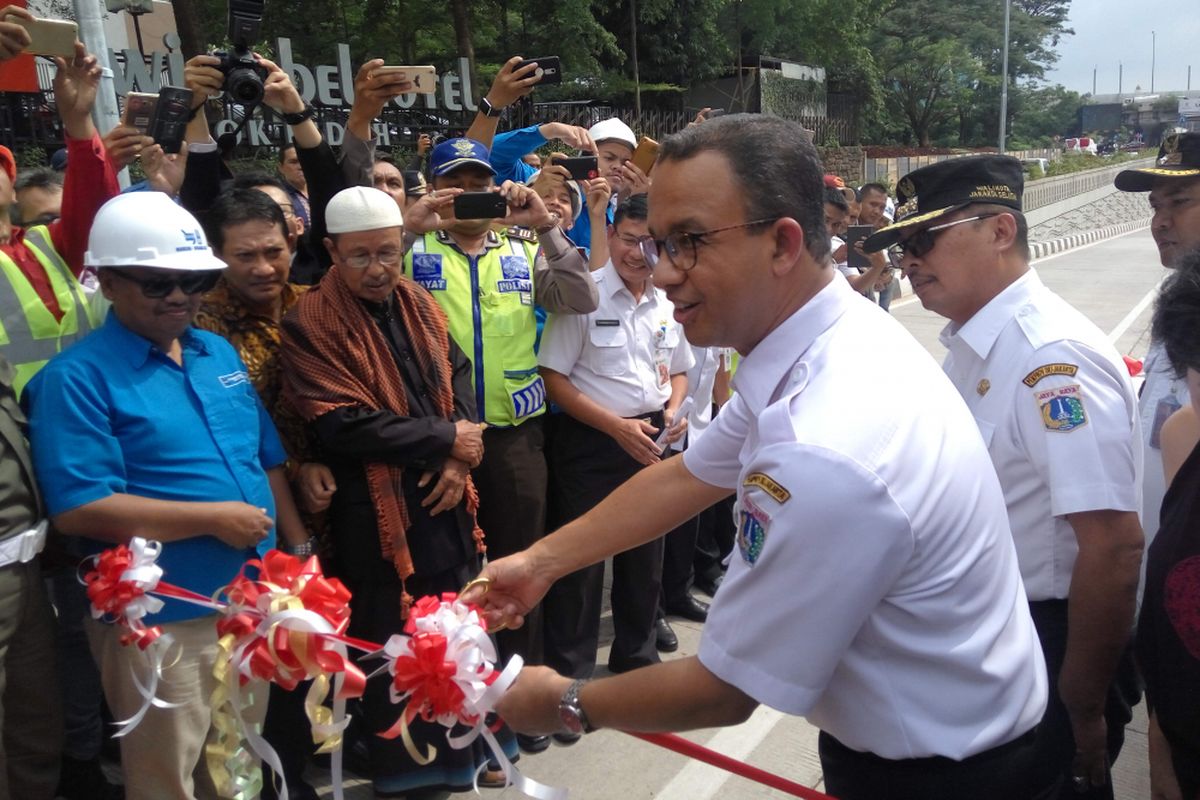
[[114, 415]]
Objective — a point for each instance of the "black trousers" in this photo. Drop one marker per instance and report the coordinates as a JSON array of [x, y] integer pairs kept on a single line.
[[1001, 773], [511, 482], [586, 466], [679, 551], [714, 539], [1055, 744]]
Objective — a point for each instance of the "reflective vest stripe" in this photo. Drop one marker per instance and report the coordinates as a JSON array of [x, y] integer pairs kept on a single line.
[[32, 335]]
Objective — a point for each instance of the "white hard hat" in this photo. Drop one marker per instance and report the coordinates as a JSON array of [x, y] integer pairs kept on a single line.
[[612, 129], [362, 208], [148, 229]]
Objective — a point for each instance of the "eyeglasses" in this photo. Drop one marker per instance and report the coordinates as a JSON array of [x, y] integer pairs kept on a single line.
[[681, 247], [924, 240], [633, 241], [386, 258], [188, 282]]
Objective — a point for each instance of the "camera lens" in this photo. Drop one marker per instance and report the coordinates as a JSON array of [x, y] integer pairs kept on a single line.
[[244, 86]]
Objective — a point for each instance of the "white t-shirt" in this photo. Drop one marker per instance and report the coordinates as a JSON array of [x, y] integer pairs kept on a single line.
[[623, 354], [1057, 410], [875, 588]]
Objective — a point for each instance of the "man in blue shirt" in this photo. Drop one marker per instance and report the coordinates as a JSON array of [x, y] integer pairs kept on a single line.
[[152, 428]]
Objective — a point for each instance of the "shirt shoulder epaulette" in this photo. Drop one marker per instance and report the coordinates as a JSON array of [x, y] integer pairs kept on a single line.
[[524, 234]]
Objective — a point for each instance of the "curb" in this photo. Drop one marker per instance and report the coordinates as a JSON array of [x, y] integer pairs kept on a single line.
[[1042, 249]]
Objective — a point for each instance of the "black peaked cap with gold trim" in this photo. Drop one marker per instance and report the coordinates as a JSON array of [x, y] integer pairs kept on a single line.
[[947, 186], [1178, 157]]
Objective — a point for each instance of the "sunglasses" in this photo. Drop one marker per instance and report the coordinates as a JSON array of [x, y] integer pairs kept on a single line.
[[925, 240], [158, 288]]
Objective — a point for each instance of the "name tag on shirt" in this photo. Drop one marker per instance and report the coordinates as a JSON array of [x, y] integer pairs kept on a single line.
[[608, 323]]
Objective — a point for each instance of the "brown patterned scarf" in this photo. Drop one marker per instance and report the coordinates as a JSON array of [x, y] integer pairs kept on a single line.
[[335, 356]]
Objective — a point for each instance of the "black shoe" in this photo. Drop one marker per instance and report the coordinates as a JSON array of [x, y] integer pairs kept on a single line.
[[619, 665], [709, 586], [664, 638], [532, 744], [567, 738], [689, 608], [85, 780]]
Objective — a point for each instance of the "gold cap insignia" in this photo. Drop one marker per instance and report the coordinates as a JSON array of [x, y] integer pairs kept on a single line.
[[983, 387], [906, 189], [464, 147]]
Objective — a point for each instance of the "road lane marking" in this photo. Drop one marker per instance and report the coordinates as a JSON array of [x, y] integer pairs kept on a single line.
[[697, 781], [1133, 315], [912, 297]]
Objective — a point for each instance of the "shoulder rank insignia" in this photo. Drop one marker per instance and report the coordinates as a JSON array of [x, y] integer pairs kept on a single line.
[[524, 234], [768, 484], [1062, 408], [1032, 378]]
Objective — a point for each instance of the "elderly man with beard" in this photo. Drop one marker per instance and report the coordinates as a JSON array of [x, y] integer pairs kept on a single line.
[[488, 282], [369, 361]]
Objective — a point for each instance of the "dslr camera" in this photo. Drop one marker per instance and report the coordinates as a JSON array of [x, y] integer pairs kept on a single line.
[[243, 75]]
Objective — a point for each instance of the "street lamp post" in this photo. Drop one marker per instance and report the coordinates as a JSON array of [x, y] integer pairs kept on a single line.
[[1004, 77], [1153, 48]]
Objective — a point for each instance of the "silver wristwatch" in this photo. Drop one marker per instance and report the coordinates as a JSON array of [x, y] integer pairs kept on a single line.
[[571, 713]]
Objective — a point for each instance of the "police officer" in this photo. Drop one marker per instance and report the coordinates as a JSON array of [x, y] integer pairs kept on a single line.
[[1174, 186], [488, 281], [1057, 410], [619, 374], [875, 588]]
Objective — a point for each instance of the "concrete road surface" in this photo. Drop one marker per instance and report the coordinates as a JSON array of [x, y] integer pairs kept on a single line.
[[1112, 282]]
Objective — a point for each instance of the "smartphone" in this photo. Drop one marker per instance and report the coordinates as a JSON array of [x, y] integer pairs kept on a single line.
[[480, 205], [549, 68], [51, 37], [424, 78], [171, 118], [582, 168], [856, 233], [645, 154], [139, 110]]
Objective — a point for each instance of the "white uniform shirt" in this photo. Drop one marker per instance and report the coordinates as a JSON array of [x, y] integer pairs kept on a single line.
[[1162, 395], [702, 377], [1057, 410], [876, 588], [623, 354]]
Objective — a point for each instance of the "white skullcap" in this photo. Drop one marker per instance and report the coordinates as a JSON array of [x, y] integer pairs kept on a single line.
[[612, 129], [361, 208]]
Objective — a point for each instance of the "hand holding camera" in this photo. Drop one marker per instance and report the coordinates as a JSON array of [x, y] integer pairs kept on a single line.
[[203, 76], [124, 144], [525, 206], [374, 86], [434, 211], [279, 93], [14, 38]]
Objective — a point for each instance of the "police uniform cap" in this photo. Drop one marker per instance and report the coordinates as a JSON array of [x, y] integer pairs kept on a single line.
[[1178, 158], [945, 187], [453, 154]]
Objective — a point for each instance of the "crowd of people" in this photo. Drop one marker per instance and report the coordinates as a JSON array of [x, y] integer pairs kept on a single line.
[[645, 365]]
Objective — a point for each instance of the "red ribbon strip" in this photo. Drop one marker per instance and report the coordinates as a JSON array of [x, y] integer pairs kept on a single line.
[[699, 752]]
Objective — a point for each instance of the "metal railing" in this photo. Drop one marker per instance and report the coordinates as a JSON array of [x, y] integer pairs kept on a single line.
[[1062, 187]]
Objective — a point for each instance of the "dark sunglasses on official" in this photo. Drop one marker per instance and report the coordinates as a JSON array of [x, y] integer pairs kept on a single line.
[[925, 240], [159, 287], [680, 247]]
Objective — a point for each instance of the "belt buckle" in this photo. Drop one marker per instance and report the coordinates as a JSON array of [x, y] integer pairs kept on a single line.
[[32, 542]]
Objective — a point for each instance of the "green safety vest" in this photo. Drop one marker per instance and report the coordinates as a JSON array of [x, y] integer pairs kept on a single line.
[[29, 334], [489, 302]]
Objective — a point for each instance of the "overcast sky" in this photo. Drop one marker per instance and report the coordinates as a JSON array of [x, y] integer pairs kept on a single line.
[[1112, 31]]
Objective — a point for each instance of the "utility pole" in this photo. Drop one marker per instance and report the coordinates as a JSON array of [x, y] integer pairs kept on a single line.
[[637, 85], [105, 113], [1004, 77], [1120, 78], [1094, 81], [1153, 47]]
